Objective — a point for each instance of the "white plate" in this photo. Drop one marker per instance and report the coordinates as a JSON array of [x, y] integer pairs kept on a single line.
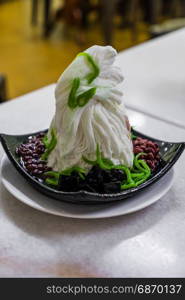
[[24, 192]]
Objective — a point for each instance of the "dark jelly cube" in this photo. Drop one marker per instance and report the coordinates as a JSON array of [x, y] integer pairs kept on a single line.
[[112, 187]]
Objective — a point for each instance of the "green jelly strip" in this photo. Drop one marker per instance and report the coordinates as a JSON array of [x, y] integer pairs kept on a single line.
[[83, 98], [50, 145], [95, 69], [129, 182], [133, 137], [137, 175], [134, 177], [45, 141], [103, 163], [72, 100], [77, 169], [53, 176]]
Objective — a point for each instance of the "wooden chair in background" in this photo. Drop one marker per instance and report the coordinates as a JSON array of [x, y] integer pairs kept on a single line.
[[75, 12], [109, 9], [46, 15]]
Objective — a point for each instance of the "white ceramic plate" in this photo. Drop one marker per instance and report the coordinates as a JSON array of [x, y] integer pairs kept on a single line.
[[24, 192]]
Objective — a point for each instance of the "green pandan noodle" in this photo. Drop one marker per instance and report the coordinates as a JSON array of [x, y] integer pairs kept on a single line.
[[49, 144], [83, 98], [95, 69], [72, 100], [53, 176], [139, 173]]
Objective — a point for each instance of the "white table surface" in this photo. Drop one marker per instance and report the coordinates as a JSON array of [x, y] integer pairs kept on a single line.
[[155, 77], [148, 243]]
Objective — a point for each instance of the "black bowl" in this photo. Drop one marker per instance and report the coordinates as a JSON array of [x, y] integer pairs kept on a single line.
[[169, 153]]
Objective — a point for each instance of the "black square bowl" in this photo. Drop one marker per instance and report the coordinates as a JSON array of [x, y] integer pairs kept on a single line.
[[169, 153]]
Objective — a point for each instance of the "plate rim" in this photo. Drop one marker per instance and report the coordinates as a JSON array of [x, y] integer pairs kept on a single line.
[[36, 206]]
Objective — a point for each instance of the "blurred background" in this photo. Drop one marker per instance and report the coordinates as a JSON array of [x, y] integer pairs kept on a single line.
[[39, 38]]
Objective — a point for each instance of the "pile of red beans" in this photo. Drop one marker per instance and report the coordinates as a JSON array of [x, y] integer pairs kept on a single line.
[[30, 154], [151, 149]]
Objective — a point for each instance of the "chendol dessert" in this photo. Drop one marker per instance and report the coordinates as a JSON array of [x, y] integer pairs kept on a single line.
[[89, 144]]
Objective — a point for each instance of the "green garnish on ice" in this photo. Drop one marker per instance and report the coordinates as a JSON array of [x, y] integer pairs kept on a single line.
[[139, 173], [72, 100], [95, 69], [49, 145], [133, 137], [76, 169], [53, 176], [82, 99]]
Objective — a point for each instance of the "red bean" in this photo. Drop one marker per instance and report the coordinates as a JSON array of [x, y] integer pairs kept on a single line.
[[151, 163], [150, 156], [35, 155], [137, 150], [150, 144], [148, 147], [48, 169], [136, 142], [40, 167], [142, 147], [32, 167], [27, 157], [35, 172]]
